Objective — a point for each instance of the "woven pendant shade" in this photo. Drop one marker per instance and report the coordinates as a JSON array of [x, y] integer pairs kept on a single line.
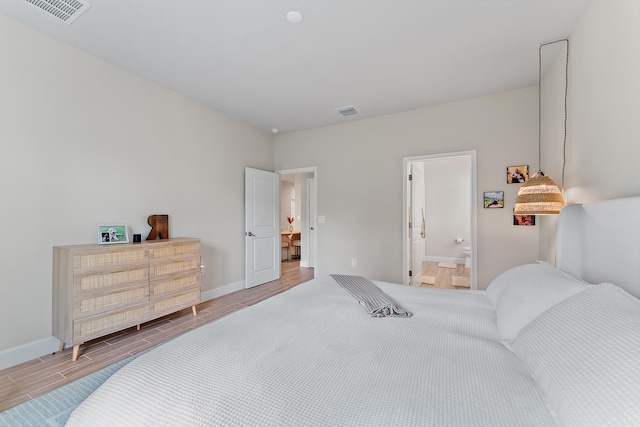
[[539, 196]]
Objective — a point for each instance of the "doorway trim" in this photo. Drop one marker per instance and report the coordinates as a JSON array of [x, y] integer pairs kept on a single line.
[[314, 170], [473, 217]]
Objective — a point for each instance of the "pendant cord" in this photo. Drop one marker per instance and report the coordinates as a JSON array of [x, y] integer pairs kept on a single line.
[[566, 92]]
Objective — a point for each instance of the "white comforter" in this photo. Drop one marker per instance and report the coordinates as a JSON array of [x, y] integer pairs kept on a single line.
[[313, 357]]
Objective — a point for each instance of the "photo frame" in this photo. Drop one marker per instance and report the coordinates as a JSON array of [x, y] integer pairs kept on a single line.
[[493, 199], [517, 174], [113, 234], [525, 220]]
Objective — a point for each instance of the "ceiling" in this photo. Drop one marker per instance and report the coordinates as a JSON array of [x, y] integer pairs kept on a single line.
[[243, 57]]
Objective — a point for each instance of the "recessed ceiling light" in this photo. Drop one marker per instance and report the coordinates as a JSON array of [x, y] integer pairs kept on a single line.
[[294, 17], [275, 130]]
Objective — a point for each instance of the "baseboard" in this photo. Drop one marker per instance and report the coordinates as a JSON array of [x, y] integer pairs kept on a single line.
[[443, 259], [223, 290], [29, 351], [25, 352]]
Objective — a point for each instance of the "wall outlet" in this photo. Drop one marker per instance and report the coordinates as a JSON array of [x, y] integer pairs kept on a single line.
[[354, 262]]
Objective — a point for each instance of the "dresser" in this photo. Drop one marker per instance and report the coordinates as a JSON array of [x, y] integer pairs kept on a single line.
[[101, 289]]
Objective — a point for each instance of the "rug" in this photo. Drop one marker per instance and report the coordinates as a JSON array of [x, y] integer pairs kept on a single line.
[[428, 280], [54, 408], [461, 282], [447, 265]]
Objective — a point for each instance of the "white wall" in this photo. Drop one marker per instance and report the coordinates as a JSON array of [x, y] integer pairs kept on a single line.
[[287, 192], [360, 179], [447, 206], [83, 142], [603, 148]]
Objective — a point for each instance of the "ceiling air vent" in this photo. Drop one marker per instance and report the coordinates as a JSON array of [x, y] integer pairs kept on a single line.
[[347, 111], [66, 11]]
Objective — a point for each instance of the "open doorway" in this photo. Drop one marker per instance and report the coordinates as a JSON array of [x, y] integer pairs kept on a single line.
[[298, 217], [439, 237]]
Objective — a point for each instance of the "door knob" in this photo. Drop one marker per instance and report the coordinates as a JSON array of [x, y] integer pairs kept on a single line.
[[312, 228], [250, 234]]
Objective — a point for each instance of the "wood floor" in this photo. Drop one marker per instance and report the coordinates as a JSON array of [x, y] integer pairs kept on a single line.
[[434, 276], [31, 379]]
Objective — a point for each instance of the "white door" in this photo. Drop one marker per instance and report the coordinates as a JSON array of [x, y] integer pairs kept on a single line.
[[417, 223], [311, 220], [262, 226]]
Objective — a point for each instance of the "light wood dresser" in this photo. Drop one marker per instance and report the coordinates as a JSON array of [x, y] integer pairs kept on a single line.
[[101, 289]]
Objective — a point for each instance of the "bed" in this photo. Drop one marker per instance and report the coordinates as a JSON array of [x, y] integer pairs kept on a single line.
[[543, 346]]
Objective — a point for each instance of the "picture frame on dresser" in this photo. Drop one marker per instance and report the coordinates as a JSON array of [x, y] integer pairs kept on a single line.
[[113, 234]]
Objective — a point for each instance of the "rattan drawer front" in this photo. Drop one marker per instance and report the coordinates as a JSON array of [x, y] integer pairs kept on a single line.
[[174, 303], [174, 249], [174, 266], [110, 257], [101, 289], [111, 278], [95, 326], [174, 285], [86, 304]]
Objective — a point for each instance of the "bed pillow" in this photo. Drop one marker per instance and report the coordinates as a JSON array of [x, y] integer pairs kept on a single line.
[[509, 277], [584, 353], [522, 293]]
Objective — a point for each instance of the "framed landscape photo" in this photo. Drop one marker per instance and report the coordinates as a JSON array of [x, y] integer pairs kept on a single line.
[[493, 199], [112, 234], [524, 219], [517, 174]]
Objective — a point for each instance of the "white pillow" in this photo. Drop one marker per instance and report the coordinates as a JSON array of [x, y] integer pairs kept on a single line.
[[584, 353], [522, 293]]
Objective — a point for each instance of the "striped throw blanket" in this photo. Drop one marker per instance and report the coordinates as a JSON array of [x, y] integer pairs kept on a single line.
[[377, 303]]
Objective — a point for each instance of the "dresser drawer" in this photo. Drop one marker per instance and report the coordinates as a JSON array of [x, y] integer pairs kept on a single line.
[[92, 303], [175, 266], [175, 302], [108, 279], [173, 284], [105, 258], [95, 326], [173, 249]]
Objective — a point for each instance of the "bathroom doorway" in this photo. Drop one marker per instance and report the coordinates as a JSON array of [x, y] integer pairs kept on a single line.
[[440, 205]]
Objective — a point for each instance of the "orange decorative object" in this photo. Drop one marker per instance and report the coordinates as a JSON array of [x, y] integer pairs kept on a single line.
[[159, 227]]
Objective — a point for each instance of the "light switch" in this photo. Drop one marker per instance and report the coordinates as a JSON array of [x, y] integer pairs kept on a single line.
[[321, 219]]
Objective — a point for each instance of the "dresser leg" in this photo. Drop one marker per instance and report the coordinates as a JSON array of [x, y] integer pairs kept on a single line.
[[61, 346], [193, 308], [137, 327], [75, 352]]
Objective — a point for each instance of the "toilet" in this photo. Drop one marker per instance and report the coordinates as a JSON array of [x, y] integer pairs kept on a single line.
[[466, 250]]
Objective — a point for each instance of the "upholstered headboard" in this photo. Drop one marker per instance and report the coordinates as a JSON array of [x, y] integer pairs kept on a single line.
[[600, 242]]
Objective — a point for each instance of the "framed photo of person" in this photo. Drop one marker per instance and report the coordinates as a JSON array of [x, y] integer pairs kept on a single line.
[[524, 220], [517, 174]]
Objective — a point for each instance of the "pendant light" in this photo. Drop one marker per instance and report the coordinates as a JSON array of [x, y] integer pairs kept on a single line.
[[540, 195]]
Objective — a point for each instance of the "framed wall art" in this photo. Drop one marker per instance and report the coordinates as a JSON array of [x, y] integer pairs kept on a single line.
[[112, 234], [517, 174], [493, 199], [524, 220]]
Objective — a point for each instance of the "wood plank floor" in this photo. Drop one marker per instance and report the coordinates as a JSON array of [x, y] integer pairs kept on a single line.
[[31, 379], [441, 277]]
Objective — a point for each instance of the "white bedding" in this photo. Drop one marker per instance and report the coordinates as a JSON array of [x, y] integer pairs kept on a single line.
[[312, 356]]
